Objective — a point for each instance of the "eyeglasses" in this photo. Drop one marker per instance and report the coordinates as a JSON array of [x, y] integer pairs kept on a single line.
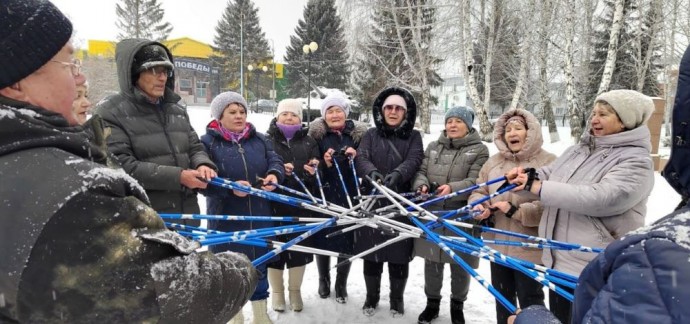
[[394, 108], [74, 66], [160, 70]]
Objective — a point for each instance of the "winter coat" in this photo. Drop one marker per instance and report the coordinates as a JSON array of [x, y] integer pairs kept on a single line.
[[332, 187], [676, 171], [377, 152], [299, 150], [253, 156], [152, 142], [595, 193], [455, 162], [526, 219], [80, 244]]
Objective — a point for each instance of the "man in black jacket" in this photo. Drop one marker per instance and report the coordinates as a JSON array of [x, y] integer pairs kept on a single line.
[[151, 135], [78, 241]]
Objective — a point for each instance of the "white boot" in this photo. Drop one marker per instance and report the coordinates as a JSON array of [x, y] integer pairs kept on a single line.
[[260, 312], [295, 276], [275, 279], [238, 319]]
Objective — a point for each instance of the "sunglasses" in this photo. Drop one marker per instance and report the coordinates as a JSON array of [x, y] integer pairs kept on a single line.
[[394, 108]]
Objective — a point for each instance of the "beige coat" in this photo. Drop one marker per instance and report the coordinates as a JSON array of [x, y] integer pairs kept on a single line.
[[526, 218]]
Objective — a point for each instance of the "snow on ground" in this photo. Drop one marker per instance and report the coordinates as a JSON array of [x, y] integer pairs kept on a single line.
[[479, 307]]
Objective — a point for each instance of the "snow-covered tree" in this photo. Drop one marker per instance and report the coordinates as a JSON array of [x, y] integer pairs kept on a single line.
[[141, 19]]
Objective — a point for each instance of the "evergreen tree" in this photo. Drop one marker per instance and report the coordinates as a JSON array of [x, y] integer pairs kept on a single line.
[[141, 19], [238, 30], [321, 24]]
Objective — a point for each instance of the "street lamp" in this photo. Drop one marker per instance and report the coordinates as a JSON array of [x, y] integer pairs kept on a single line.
[[308, 50], [257, 75]]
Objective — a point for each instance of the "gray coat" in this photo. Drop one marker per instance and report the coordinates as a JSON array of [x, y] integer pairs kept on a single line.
[[152, 142], [455, 162], [595, 193]]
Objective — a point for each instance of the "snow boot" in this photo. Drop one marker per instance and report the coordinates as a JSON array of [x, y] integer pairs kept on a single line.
[[275, 279], [260, 312], [430, 312], [396, 296], [323, 265], [373, 284], [295, 276], [456, 314], [341, 283]]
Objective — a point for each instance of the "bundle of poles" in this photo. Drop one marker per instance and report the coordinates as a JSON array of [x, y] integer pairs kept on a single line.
[[360, 213]]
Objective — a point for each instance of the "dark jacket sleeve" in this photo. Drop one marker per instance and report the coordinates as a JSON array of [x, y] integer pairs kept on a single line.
[[275, 161], [363, 159], [413, 158], [197, 154]]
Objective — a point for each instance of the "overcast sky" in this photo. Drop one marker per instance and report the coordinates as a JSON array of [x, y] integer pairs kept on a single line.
[[197, 19]]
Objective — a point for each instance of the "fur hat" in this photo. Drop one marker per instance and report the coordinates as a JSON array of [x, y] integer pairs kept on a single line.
[[31, 33], [292, 105], [221, 101], [466, 114], [335, 99], [632, 107]]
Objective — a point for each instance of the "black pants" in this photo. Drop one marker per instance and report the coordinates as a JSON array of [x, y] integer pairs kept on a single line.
[[511, 284], [560, 306], [395, 270]]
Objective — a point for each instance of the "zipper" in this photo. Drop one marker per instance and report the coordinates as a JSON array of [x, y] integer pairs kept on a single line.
[[450, 170], [246, 174]]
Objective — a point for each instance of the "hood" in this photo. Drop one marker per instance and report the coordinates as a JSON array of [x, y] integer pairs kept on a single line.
[[404, 130], [124, 57], [472, 138], [356, 129], [677, 172], [637, 137], [533, 141]]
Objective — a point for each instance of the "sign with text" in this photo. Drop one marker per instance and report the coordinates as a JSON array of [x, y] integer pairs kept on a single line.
[[194, 66]]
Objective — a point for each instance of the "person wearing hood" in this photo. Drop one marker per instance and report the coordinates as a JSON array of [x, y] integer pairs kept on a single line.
[[150, 133], [79, 241], [451, 163], [390, 153], [518, 137], [338, 138], [596, 192], [300, 154]]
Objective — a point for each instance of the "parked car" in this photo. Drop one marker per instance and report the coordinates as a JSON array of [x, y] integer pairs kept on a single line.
[[264, 105]]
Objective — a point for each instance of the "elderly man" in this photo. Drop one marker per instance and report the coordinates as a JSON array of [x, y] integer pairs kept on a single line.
[[78, 240], [151, 135]]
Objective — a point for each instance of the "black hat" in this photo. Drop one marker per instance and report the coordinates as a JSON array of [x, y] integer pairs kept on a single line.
[[150, 56], [31, 33]]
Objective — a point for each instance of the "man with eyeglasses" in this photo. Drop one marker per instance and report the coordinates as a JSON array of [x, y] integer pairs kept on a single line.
[[151, 134], [79, 242]]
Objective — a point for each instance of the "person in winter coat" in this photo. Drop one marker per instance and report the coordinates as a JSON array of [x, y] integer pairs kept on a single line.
[[150, 133], [597, 191], [79, 242], [81, 103], [391, 153], [453, 161], [517, 135], [298, 150], [335, 135], [242, 154]]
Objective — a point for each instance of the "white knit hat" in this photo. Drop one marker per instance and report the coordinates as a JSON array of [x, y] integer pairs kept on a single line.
[[335, 99], [633, 108], [291, 105]]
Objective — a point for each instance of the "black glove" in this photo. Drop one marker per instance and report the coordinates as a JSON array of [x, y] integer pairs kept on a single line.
[[419, 190], [376, 176], [392, 179]]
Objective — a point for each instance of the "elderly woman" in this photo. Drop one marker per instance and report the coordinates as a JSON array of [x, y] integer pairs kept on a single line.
[[241, 154], [81, 103], [453, 161], [518, 137], [335, 134], [298, 150], [597, 191], [391, 152]]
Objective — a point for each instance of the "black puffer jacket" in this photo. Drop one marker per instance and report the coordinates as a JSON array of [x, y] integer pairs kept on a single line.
[[80, 244], [153, 143]]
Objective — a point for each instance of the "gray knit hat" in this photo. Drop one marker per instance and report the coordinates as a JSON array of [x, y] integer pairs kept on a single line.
[[291, 105], [466, 114], [633, 108], [31, 33], [335, 99], [221, 101]]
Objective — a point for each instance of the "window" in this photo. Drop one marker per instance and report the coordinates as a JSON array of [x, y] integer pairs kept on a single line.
[[201, 87], [186, 85]]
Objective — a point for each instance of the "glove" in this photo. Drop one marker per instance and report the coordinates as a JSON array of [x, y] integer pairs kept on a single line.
[[376, 176], [420, 190], [392, 179]]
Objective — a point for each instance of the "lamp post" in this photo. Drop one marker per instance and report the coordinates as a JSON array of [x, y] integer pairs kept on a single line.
[[242, 55], [251, 68], [308, 50]]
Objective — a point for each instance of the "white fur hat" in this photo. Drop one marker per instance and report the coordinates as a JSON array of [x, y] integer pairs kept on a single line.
[[633, 108], [335, 99], [292, 105]]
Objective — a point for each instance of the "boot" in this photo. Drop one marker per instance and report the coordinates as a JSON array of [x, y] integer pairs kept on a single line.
[[295, 276], [323, 265], [456, 314], [275, 279], [341, 283], [260, 312], [430, 312], [373, 284], [396, 296], [238, 319]]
